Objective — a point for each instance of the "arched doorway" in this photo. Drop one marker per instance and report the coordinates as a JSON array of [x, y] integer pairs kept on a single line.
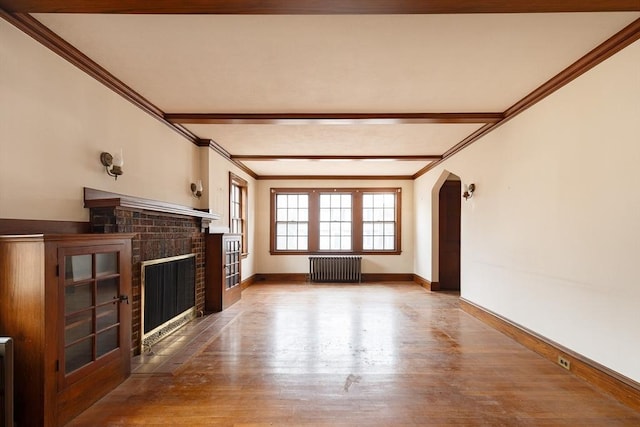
[[449, 234]]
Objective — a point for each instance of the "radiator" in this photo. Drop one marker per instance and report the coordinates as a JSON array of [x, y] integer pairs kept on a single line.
[[6, 382], [335, 269]]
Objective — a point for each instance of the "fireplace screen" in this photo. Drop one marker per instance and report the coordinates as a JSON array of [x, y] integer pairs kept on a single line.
[[168, 293]]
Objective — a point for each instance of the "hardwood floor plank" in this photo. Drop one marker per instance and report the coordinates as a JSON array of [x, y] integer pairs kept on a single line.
[[345, 355]]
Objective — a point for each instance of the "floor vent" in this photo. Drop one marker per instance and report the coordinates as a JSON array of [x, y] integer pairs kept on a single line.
[[335, 269]]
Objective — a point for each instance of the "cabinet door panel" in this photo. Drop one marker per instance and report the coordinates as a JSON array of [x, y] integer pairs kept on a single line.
[[93, 312]]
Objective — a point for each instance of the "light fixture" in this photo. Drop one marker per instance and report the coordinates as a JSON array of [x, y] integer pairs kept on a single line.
[[112, 164], [196, 189], [469, 192]]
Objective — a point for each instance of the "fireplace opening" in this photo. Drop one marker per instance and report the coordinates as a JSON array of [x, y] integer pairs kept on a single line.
[[168, 296]]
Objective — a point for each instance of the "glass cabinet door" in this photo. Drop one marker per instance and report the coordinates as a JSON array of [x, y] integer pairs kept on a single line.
[[91, 308]]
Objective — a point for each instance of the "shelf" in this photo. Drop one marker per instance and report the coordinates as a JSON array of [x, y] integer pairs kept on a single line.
[[103, 199]]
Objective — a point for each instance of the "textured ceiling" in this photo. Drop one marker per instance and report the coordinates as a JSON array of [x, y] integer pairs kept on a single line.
[[285, 64]]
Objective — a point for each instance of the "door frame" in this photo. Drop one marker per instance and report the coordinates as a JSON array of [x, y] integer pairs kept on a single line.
[[435, 226]]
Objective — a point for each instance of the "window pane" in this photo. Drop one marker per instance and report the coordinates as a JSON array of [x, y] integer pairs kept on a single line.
[[281, 229], [378, 242], [303, 229], [389, 243], [325, 228], [367, 200], [389, 214], [335, 200], [345, 243], [282, 215], [281, 200], [281, 243], [325, 215], [345, 229], [303, 201], [292, 242], [378, 200], [335, 228], [302, 243], [346, 215], [292, 214], [335, 242], [367, 243], [292, 229], [335, 214], [346, 200], [378, 215], [389, 229], [293, 201], [389, 200], [303, 214], [324, 243], [325, 201], [367, 228], [378, 228]]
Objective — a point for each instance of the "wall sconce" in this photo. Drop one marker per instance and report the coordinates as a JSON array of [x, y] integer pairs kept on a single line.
[[469, 192], [196, 189], [112, 164]]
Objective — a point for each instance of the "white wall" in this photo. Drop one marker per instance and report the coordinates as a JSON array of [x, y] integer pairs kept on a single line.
[[218, 196], [267, 263], [551, 238], [56, 121]]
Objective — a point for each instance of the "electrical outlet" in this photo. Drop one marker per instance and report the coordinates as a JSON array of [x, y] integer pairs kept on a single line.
[[565, 363]]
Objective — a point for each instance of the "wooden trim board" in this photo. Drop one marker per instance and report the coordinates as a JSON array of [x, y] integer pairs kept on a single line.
[[618, 386], [427, 284]]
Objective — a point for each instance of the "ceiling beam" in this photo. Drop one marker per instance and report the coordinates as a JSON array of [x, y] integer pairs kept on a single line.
[[315, 7], [260, 157], [335, 177], [330, 119]]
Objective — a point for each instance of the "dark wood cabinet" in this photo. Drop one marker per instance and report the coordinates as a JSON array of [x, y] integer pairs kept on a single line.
[[64, 301], [222, 271]]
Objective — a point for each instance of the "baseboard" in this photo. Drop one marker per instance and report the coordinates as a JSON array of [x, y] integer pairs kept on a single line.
[[618, 386], [37, 226], [427, 284], [302, 278], [283, 278], [387, 277], [247, 282]]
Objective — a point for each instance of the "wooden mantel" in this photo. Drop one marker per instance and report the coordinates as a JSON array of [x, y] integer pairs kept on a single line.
[[102, 199]]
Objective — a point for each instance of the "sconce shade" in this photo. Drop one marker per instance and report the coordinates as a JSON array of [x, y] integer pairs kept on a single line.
[[196, 189], [112, 164], [469, 192]]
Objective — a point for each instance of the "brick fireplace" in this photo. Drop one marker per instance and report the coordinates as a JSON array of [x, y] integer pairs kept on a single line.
[[162, 230]]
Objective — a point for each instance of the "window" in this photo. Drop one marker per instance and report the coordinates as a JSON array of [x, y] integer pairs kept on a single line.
[[238, 209], [378, 221], [335, 220], [292, 222]]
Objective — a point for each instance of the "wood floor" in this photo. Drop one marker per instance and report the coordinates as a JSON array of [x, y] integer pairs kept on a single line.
[[349, 355]]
